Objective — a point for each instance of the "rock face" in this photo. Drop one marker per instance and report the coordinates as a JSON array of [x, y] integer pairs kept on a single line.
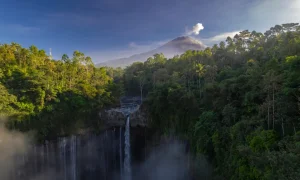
[[112, 118], [131, 107], [139, 117]]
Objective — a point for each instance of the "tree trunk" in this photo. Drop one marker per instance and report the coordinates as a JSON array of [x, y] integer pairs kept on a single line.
[[273, 107], [154, 84], [200, 87], [268, 111], [282, 126], [294, 128], [141, 89], [141, 95]]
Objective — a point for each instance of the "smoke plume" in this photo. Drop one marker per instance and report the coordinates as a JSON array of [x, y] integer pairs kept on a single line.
[[196, 29]]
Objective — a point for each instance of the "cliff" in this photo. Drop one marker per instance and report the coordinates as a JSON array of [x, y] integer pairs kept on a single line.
[[117, 116]]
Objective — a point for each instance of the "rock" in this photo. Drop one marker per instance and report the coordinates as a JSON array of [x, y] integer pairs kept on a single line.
[[115, 117], [112, 118], [139, 118]]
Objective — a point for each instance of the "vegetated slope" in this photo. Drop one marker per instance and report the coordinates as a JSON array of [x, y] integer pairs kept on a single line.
[[238, 102]]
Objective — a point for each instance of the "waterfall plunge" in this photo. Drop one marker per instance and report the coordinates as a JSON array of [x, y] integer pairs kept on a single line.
[[79, 157], [127, 160], [121, 153]]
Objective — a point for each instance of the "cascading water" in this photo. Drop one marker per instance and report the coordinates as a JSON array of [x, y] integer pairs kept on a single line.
[[127, 160], [80, 157], [73, 158], [121, 153], [127, 107], [63, 158]]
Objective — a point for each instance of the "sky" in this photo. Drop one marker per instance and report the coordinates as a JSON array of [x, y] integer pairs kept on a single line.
[[110, 29]]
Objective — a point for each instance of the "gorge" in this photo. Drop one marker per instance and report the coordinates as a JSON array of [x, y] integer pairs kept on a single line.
[[118, 152]]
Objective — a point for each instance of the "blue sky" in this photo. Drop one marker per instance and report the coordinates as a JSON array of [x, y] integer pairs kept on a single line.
[[109, 29]]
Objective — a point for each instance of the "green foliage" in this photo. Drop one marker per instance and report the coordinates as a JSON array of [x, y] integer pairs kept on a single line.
[[236, 102], [52, 97], [261, 140], [7, 102]]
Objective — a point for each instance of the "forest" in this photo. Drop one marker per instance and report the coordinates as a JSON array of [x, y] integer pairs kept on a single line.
[[237, 103]]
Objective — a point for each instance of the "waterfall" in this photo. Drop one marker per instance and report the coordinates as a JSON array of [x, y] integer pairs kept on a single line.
[[77, 157], [121, 153], [73, 158], [63, 158], [127, 160]]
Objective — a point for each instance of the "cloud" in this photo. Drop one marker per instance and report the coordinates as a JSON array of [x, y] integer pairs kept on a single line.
[[147, 46], [195, 30], [21, 29], [133, 45], [135, 48], [218, 38], [260, 16], [131, 49], [267, 13]]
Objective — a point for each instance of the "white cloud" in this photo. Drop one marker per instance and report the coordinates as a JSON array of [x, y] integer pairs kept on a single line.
[[147, 46], [19, 28], [133, 45], [218, 38], [267, 13], [261, 16], [131, 49], [134, 48], [195, 30]]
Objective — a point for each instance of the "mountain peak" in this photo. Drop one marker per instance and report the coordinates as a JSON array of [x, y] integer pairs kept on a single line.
[[185, 43], [180, 38], [186, 40], [175, 47]]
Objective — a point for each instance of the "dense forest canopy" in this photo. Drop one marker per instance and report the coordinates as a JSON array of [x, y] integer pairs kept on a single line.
[[238, 102], [53, 97]]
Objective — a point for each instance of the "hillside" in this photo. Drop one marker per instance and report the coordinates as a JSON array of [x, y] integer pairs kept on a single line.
[[175, 47]]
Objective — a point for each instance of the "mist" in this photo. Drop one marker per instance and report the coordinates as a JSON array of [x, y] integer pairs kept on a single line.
[[21, 158], [172, 161], [16, 156], [11, 145]]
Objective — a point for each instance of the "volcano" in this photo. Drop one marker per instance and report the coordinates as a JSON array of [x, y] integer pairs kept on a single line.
[[177, 46]]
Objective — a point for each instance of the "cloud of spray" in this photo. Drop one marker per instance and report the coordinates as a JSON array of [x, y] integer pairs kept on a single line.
[[15, 151], [219, 37], [170, 161], [195, 30], [12, 144]]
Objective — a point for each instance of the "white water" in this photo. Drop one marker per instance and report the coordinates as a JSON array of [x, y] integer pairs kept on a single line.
[[63, 158], [73, 158], [127, 160], [121, 153]]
